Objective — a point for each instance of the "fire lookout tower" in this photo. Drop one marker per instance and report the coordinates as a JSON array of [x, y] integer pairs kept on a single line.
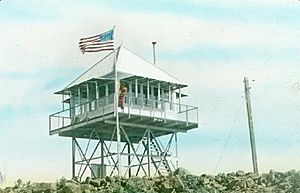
[[148, 124]]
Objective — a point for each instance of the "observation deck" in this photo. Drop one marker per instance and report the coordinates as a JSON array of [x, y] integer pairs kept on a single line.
[[139, 114]]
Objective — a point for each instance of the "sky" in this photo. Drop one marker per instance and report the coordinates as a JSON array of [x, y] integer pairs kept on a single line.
[[211, 45]]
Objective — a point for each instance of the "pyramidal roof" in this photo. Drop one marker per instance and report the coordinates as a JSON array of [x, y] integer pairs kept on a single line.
[[128, 64]]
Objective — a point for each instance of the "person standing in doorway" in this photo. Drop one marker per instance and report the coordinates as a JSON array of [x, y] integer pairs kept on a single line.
[[122, 94]]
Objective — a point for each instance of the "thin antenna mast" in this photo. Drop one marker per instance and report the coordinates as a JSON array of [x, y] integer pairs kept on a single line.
[[250, 124], [154, 57]]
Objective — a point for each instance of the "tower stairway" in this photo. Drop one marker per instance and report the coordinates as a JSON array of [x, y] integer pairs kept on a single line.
[[158, 157]]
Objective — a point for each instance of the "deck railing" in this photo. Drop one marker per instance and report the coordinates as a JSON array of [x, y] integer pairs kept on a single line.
[[158, 110], [161, 110]]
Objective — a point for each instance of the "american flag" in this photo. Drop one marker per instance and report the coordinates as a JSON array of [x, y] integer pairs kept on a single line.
[[97, 43]]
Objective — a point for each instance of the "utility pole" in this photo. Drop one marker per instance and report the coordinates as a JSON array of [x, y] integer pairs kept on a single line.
[[250, 124]]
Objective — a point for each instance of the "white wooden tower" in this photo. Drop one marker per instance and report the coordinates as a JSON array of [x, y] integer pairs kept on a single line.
[[149, 122]]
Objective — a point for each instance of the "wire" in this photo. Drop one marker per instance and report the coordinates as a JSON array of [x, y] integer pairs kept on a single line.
[[234, 124]]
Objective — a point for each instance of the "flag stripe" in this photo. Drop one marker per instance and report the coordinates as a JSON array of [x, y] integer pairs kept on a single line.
[[91, 46], [96, 47], [98, 50], [92, 40], [90, 37], [96, 44]]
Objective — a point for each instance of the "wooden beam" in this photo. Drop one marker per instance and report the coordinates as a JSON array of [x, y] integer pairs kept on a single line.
[[145, 126]]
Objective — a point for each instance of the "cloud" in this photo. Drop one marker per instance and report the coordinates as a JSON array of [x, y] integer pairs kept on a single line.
[[19, 11], [53, 44], [248, 11]]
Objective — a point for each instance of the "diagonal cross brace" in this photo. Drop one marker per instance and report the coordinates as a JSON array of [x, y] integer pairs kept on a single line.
[[84, 158], [163, 151], [88, 161], [116, 164], [133, 149], [131, 160], [83, 154], [152, 159]]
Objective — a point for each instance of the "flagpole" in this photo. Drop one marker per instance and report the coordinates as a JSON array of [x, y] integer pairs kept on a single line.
[[117, 113]]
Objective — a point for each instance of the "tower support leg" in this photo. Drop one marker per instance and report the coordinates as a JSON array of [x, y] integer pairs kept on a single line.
[[102, 159], [73, 157], [148, 152], [176, 149], [128, 160]]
